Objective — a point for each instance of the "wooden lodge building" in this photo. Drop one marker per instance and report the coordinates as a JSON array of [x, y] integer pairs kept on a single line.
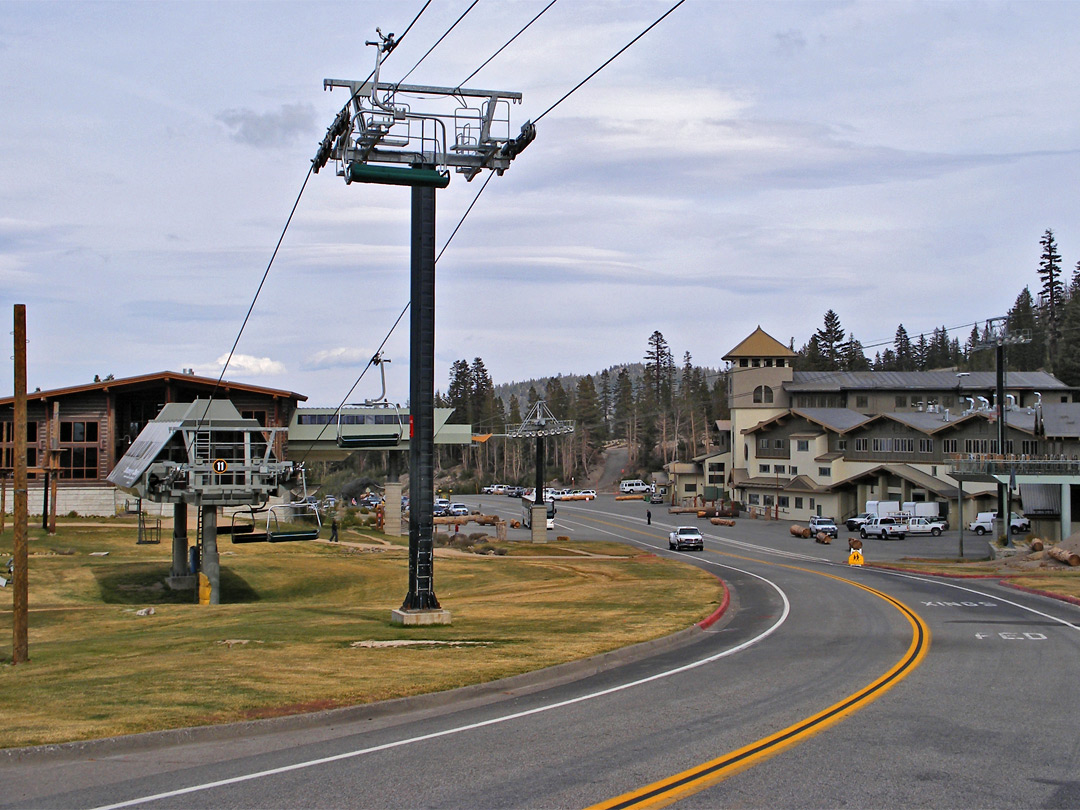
[[88, 428]]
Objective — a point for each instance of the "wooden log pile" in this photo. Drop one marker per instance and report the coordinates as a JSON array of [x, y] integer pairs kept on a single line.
[[629, 497], [800, 531], [823, 538], [716, 521], [1064, 555], [1037, 544]]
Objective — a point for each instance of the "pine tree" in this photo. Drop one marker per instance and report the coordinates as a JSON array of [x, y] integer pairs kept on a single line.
[[905, 355], [830, 340], [1052, 292], [1022, 321]]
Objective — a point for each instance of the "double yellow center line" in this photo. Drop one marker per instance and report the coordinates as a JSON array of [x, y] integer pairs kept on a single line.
[[696, 779]]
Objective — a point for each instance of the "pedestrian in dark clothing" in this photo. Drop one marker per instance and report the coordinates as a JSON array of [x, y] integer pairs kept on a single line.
[[648, 517], [333, 530]]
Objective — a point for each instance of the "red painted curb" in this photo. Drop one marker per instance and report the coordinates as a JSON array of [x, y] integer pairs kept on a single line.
[[705, 623], [1059, 596]]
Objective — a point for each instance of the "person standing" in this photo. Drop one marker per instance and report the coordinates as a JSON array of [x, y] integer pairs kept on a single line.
[[648, 517], [333, 529]]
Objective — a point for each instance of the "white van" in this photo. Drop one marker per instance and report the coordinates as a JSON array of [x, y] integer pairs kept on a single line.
[[634, 486]]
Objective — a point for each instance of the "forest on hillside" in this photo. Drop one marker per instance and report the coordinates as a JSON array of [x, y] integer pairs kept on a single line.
[[666, 411]]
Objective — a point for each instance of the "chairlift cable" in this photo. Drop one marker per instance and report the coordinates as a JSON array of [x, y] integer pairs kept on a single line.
[[506, 44], [337, 410], [609, 61], [437, 43]]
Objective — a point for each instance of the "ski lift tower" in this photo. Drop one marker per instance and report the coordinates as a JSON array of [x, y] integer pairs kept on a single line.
[[539, 422], [378, 138]]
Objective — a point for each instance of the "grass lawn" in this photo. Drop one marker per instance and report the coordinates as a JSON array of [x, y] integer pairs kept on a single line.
[[285, 638]]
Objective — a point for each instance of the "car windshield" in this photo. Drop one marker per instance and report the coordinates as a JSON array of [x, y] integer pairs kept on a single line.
[[686, 530]]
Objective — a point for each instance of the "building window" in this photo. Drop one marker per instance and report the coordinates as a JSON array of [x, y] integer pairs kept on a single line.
[[780, 363], [841, 445], [901, 400], [904, 445], [756, 363], [778, 444], [768, 363], [716, 466], [862, 401], [716, 479], [763, 443], [881, 445], [860, 445], [926, 445], [764, 468], [824, 472], [763, 395], [1029, 447], [78, 432], [744, 363], [782, 501], [948, 446], [778, 469], [798, 503], [768, 500], [691, 488], [793, 470], [79, 452], [802, 445], [976, 446], [753, 499], [258, 416]]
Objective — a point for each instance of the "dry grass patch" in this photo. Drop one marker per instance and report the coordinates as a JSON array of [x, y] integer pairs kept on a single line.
[[98, 669]]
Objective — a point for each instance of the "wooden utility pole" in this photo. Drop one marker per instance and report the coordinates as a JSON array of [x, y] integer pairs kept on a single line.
[[19, 646]]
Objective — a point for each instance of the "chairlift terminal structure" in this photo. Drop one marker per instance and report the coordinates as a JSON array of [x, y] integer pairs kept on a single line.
[[205, 454]]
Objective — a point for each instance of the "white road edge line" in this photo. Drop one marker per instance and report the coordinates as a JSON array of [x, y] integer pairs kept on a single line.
[[472, 726]]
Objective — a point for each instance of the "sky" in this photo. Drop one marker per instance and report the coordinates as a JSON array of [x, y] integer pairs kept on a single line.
[[742, 164]]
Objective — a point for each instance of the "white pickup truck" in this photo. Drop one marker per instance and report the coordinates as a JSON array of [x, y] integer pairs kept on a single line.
[[925, 525], [886, 528]]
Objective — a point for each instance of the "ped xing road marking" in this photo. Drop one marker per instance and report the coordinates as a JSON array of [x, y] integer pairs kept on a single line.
[[696, 779]]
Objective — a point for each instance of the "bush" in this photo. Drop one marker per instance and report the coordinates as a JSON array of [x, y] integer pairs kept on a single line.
[[441, 539]]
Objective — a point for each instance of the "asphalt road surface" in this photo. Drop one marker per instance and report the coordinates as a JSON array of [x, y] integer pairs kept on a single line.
[[823, 685]]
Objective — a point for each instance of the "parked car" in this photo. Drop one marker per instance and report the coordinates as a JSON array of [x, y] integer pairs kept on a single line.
[[514, 492], [457, 510], [825, 525], [656, 497], [984, 522], [924, 525], [587, 494], [854, 523], [886, 528], [440, 507], [686, 537]]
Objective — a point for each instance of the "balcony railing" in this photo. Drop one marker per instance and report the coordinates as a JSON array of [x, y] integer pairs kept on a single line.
[[981, 464]]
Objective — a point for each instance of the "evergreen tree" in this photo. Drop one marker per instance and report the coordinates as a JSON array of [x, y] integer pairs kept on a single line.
[[1022, 321], [623, 405], [1052, 292], [905, 355], [459, 394], [811, 358], [830, 340], [852, 356]]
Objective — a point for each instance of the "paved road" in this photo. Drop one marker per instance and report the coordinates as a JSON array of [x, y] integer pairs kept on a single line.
[[823, 686]]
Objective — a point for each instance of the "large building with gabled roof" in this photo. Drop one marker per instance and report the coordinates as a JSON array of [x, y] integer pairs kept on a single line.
[[807, 443]]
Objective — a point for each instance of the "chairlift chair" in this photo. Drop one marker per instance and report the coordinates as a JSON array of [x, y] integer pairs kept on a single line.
[[374, 441]]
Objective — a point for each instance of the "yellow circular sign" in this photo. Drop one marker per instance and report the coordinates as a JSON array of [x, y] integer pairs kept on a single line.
[[220, 465]]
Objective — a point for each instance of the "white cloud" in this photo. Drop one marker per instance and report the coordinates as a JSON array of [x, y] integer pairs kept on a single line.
[[242, 365]]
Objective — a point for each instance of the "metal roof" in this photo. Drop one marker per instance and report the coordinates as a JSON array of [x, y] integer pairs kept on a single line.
[[145, 380], [819, 381], [1061, 420]]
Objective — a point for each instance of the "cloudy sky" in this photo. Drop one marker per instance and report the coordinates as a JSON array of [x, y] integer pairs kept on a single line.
[[744, 163]]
